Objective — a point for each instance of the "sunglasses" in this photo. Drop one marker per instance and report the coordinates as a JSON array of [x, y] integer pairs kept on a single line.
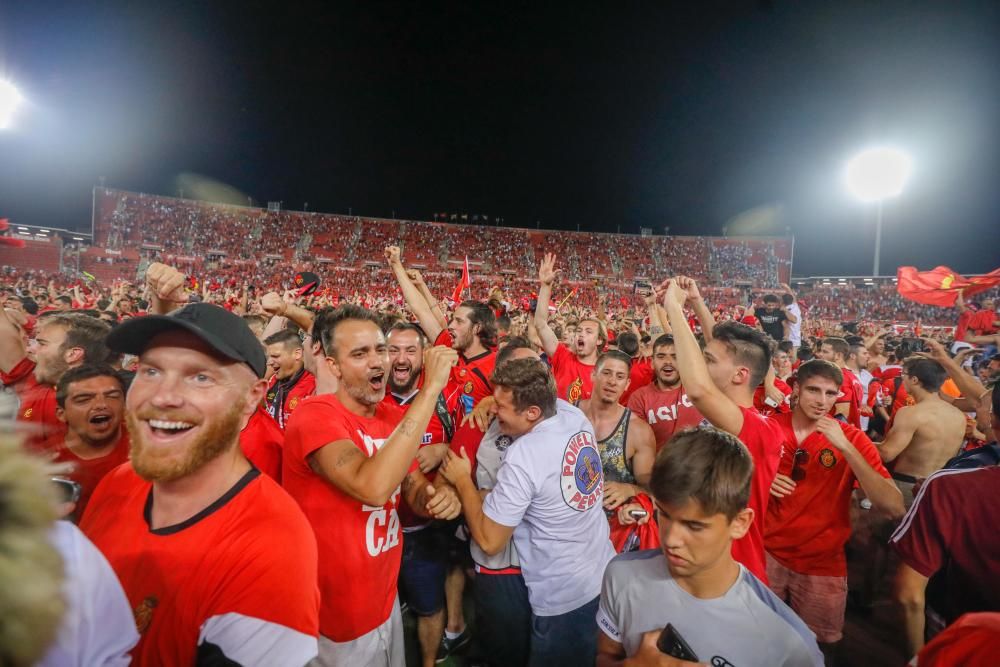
[[799, 460]]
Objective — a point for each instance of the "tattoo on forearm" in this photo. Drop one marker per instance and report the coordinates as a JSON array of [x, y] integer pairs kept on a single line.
[[407, 426]]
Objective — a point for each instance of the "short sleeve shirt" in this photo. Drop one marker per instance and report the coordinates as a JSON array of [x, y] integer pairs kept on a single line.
[[666, 411], [37, 407], [771, 322], [574, 380], [89, 472], [747, 626], [237, 579], [796, 533], [359, 544], [951, 530], [261, 442], [550, 490]]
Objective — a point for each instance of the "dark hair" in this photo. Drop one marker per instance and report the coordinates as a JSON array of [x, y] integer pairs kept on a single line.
[[512, 343], [771, 298], [327, 322], [531, 383], [839, 346], [855, 348], [645, 338], [628, 343], [821, 368], [787, 299], [85, 332], [662, 340], [81, 373], [707, 465], [750, 347], [503, 323], [62, 298], [287, 337], [482, 315], [30, 305], [929, 373], [616, 355], [403, 325], [784, 346], [805, 353]]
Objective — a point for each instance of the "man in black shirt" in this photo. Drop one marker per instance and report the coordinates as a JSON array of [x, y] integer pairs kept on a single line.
[[773, 317]]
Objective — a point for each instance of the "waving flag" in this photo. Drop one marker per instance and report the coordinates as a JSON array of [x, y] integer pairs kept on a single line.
[[464, 283], [9, 240], [941, 286]]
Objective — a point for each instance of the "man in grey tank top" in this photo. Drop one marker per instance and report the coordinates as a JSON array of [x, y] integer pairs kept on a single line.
[[720, 612]]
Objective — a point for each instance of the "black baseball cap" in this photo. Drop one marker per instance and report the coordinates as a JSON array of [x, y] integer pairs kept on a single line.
[[224, 332]]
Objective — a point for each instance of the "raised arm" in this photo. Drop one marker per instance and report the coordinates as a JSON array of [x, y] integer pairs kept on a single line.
[[165, 286], [414, 299], [373, 479], [546, 276], [12, 348], [695, 300], [435, 306], [718, 408]]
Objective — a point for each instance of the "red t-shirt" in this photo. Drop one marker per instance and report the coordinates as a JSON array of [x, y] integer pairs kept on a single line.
[[261, 441], [301, 390], [666, 411], [851, 392], [38, 407], [763, 408], [469, 383], [807, 530], [951, 530], [574, 380], [765, 440], [89, 472], [640, 376], [900, 398], [239, 576], [359, 545]]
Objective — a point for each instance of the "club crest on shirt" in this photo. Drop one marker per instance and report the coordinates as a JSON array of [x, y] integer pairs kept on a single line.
[[503, 442], [827, 458], [143, 613], [27, 413], [582, 480], [575, 391], [468, 387], [292, 402]]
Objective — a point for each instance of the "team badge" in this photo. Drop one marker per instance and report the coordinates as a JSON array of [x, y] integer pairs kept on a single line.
[[582, 480], [468, 387], [292, 403], [27, 413], [143, 613], [270, 397], [575, 391], [503, 442], [827, 458], [462, 373]]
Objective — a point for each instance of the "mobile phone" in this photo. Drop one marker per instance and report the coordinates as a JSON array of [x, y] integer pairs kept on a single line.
[[671, 643], [770, 401], [68, 491], [642, 288], [638, 514]]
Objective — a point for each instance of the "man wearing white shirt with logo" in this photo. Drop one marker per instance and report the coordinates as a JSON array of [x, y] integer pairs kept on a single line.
[[547, 496]]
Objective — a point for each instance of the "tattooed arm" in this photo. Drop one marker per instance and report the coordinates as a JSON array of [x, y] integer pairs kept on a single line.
[[373, 479]]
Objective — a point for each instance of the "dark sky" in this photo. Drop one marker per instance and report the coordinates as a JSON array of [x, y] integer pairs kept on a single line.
[[638, 115]]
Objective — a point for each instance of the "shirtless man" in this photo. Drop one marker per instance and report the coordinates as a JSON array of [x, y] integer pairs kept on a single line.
[[625, 441], [923, 436]]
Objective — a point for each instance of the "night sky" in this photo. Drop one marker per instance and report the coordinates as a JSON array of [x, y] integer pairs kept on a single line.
[[637, 115]]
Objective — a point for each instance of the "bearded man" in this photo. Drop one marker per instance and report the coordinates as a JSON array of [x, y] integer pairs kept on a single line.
[[218, 563]]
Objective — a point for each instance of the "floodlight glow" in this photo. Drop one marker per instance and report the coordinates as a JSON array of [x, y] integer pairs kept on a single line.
[[9, 100], [878, 173]]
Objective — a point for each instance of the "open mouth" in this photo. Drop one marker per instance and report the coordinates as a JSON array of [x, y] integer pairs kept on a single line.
[[401, 373], [377, 381], [100, 420]]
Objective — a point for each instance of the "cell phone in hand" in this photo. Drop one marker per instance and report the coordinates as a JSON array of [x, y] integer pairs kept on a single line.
[[671, 643], [638, 514]]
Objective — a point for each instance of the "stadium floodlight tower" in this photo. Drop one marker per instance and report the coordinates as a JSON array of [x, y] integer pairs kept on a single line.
[[9, 101], [875, 175]]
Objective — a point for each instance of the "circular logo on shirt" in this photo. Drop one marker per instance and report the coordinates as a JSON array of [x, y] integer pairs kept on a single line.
[[503, 442], [143, 613], [827, 458], [292, 403], [575, 391], [468, 387], [582, 480]]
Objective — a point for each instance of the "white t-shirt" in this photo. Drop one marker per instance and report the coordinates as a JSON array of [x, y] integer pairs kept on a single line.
[[98, 627], [795, 329], [550, 489], [865, 377], [747, 626]]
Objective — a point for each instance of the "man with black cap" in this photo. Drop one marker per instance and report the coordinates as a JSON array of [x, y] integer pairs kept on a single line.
[[218, 563]]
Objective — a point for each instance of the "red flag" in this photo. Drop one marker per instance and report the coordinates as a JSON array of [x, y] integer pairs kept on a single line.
[[941, 286], [463, 284]]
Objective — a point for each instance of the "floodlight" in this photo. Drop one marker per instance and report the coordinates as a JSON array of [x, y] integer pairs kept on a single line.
[[878, 173], [9, 101]]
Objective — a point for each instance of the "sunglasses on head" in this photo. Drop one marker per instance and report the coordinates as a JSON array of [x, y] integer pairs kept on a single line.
[[799, 460]]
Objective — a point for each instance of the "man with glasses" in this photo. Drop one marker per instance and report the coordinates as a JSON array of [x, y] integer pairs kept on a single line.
[[808, 518]]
